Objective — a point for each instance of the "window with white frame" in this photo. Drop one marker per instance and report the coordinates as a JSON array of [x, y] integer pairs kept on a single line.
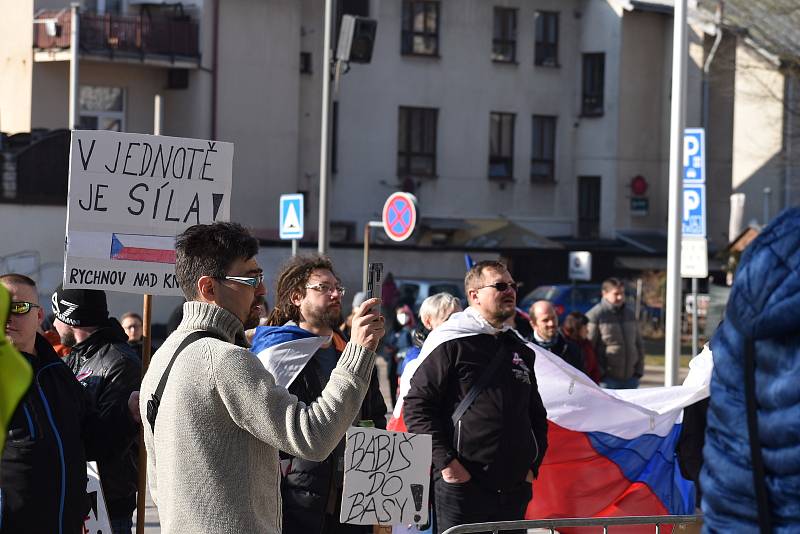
[[102, 108]]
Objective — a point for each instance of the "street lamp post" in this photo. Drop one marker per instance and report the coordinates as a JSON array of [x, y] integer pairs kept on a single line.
[[672, 347]]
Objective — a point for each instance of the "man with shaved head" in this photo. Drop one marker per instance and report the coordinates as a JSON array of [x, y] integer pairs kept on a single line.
[[544, 322]]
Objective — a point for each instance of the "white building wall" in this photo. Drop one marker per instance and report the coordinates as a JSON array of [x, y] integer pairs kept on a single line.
[[466, 86], [597, 138]]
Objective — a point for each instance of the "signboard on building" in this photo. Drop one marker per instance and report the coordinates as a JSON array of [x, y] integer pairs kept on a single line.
[[129, 196], [386, 477], [291, 216], [580, 266]]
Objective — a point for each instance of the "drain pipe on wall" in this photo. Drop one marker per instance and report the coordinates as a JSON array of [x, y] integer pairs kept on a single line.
[[707, 65]]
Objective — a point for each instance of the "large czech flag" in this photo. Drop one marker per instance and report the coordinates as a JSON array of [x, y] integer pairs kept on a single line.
[[611, 452]]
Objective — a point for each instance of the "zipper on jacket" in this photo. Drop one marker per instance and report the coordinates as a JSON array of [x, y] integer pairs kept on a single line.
[[458, 438], [60, 447], [31, 428], [535, 444]]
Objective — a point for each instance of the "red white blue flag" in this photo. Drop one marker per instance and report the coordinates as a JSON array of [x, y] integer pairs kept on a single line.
[[610, 452]]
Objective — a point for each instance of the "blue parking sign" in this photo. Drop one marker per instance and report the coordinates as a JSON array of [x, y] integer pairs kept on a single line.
[[694, 156], [694, 210], [291, 216]]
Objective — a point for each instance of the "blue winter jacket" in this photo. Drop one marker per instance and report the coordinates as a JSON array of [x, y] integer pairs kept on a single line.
[[764, 306]]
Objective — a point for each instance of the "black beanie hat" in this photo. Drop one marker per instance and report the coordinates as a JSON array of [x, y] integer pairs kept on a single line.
[[80, 307]]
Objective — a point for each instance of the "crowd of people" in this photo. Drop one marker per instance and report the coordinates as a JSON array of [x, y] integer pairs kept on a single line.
[[244, 409]]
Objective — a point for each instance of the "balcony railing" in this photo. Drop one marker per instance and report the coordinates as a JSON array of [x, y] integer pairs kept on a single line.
[[119, 34]]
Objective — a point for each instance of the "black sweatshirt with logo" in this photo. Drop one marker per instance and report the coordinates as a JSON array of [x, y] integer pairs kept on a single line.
[[504, 432]]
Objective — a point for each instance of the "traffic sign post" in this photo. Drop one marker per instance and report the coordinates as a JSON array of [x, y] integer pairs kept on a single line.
[[399, 218], [694, 244], [291, 219]]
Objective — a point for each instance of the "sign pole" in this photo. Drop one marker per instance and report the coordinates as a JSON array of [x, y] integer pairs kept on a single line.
[[672, 346], [695, 340], [322, 239], [294, 247], [147, 348], [74, 45]]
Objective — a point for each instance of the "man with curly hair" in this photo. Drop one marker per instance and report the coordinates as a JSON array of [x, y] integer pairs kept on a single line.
[[308, 306]]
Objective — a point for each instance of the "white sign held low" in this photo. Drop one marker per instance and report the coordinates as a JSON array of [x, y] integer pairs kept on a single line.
[[386, 477], [129, 196], [97, 522]]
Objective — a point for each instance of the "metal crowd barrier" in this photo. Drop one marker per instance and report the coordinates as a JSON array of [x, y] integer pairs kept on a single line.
[[553, 524]]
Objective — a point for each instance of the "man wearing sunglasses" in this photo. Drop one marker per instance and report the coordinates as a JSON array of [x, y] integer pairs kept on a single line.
[[44, 461], [212, 451], [308, 309], [476, 394]]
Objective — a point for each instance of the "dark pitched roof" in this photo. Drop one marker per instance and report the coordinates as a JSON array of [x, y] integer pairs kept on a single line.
[[773, 25]]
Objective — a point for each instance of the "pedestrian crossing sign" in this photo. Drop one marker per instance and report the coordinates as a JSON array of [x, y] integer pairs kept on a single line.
[[291, 216]]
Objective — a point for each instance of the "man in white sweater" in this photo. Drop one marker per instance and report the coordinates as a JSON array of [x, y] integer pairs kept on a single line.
[[212, 451]]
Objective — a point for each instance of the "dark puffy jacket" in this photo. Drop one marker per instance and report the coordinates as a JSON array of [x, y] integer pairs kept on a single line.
[[614, 335], [763, 313], [111, 371], [308, 487], [44, 466]]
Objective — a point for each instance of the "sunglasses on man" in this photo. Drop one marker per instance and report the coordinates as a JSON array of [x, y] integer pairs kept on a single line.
[[502, 286], [252, 281], [21, 307]]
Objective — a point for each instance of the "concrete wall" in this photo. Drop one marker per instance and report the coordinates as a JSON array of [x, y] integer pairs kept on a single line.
[[719, 138], [643, 89], [757, 132], [259, 88], [16, 60], [597, 138]]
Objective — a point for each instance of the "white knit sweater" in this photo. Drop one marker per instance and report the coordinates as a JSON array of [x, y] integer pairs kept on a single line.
[[213, 463]]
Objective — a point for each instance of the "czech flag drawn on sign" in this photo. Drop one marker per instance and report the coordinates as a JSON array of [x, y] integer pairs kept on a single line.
[[148, 248], [610, 452]]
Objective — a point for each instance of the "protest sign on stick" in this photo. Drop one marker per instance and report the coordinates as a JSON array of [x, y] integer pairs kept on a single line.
[[386, 477], [129, 196]]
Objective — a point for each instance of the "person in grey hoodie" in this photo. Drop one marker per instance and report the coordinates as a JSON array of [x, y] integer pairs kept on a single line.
[[212, 451]]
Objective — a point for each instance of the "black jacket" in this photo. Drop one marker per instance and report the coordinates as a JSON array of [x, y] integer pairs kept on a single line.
[[504, 432], [44, 466], [566, 349], [111, 371], [307, 487]]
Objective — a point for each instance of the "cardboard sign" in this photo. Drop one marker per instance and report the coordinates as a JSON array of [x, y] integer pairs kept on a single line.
[[386, 477], [97, 522], [129, 196]]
